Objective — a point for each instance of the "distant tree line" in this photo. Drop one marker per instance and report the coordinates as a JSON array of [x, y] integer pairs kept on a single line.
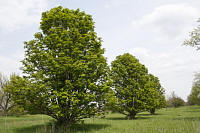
[[175, 101], [8, 105], [68, 78]]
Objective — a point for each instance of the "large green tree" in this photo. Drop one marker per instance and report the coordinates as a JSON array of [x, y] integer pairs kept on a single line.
[[65, 67], [129, 79], [154, 94], [8, 105], [194, 97]]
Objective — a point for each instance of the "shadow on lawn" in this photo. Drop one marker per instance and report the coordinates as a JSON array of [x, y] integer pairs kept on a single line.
[[138, 117], [61, 129], [193, 111], [31, 129], [188, 118], [116, 118], [149, 114]]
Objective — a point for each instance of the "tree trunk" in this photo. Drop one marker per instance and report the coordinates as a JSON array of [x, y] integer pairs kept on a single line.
[[152, 111], [132, 115], [67, 122]]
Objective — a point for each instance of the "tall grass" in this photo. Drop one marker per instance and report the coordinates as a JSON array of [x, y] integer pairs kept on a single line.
[[172, 120]]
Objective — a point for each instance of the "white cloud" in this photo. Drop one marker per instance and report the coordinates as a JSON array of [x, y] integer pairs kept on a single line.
[[11, 64], [140, 53], [17, 13], [176, 60], [168, 21], [175, 68], [113, 3], [158, 37]]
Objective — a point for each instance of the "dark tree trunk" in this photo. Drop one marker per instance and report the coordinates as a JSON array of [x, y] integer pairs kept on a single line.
[[152, 111], [67, 122], [132, 115]]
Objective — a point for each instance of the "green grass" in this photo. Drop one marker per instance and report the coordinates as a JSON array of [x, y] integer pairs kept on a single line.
[[179, 120]]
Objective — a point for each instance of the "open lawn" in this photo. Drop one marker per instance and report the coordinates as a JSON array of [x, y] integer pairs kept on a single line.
[[179, 120]]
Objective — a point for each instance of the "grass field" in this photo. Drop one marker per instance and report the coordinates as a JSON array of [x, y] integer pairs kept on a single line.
[[179, 120]]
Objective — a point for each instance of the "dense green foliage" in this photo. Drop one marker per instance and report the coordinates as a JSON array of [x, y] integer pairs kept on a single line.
[[155, 98], [173, 120], [111, 103], [134, 88], [66, 73], [194, 97], [20, 91], [129, 78], [8, 105]]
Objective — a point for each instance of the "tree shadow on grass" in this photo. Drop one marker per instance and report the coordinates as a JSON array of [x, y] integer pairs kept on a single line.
[[86, 127], [141, 117], [124, 118], [30, 129], [116, 118], [193, 111], [49, 128], [188, 118], [138, 117], [149, 114]]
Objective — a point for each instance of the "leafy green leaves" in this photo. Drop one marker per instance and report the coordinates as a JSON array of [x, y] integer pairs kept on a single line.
[[135, 89], [66, 61], [194, 97]]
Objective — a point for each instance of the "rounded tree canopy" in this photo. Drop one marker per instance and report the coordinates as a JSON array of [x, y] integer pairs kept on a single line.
[[65, 62], [129, 77]]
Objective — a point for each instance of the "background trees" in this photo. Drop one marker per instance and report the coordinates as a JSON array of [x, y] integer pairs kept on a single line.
[[129, 77], [194, 39], [64, 66], [5, 97], [134, 88], [21, 91], [8, 105], [175, 101], [194, 97], [154, 94], [111, 102]]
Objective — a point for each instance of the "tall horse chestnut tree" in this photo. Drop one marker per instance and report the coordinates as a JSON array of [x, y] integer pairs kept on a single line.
[[65, 67], [135, 89], [129, 78], [155, 94]]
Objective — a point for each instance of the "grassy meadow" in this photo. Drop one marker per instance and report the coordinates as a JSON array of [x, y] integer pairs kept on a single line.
[[173, 120]]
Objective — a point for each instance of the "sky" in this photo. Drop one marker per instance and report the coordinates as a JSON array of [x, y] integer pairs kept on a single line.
[[151, 30]]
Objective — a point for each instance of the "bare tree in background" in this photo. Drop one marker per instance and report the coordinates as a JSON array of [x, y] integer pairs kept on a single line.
[[5, 97]]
